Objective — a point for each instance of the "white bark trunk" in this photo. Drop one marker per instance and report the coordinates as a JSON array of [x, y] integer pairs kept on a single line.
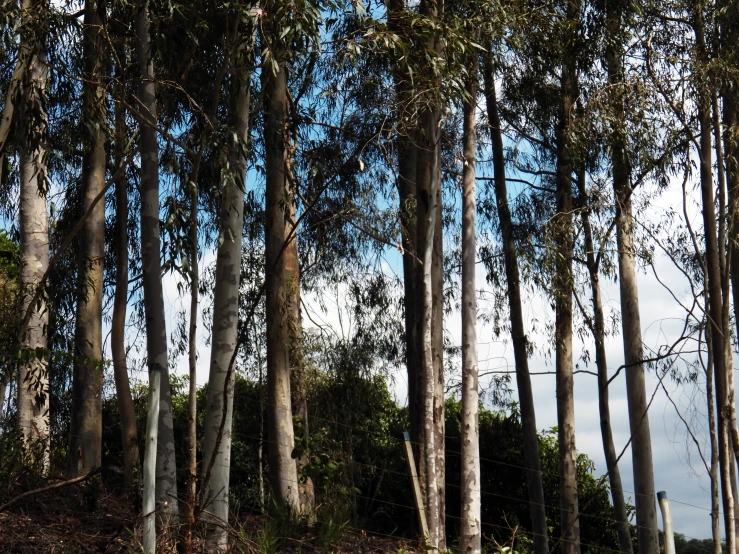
[[33, 378], [470, 531], [219, 402]]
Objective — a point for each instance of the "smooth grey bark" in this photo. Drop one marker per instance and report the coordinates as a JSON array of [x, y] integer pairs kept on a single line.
[[537, 509], [562, 283], [33, 378], [597, 327], [283, 469], [129, 432], [86, 423], [470, 534], [219, 402], [159, 439], [641, 447]]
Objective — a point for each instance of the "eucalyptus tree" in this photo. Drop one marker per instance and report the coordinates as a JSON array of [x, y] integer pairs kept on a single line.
[[85, 445], [398, 18], [219, 403], [616, 14], [129, 432], [428, 205], [156, 333], [33, 379], [534, 482], [718, 300], [285, 34], [471, 525], [596, 322]]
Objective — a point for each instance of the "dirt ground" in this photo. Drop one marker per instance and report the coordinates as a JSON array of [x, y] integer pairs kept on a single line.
[[61, 522]]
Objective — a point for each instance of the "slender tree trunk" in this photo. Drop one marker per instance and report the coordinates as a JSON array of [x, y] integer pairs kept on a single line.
[[562, 286], [641, 448], [166, 469], [156, 332], [470, 532], [33, 378], [192, 359], [437, 344], [129, 433], [518, 333], [298, 377], [714, 471], [597, 325], [219, 401], [283, 470], [86, 426], [427, 213], [718, 333]]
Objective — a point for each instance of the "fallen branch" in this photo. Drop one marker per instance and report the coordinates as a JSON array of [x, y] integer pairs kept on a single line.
[[79, 479]]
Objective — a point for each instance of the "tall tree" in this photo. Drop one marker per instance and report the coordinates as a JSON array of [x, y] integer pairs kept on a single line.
[[129, 433], [406, 184], [428, 199], [719, 331], [534, 480], [298, 374], [562, 229], [641, 448], [86, 428], [471, 526], [219, 402], [33, 378], [597, 326], [283, 469], [158, 425]]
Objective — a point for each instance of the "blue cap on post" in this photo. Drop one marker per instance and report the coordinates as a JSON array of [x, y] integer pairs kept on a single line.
[[406, 436], [661, 495]]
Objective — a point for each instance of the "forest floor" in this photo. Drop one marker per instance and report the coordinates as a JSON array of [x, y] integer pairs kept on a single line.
[[61, 522]]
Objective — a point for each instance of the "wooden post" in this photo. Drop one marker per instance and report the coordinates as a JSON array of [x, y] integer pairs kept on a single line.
[[664, 506], [416, 487]]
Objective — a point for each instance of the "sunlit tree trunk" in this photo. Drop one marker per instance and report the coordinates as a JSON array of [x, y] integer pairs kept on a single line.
[[156, 333], [219, 402], [470, 525], [562, 283], [298, 375], [129, 433], [532, 458], [282, 467], [33, 378], [86, 426]]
